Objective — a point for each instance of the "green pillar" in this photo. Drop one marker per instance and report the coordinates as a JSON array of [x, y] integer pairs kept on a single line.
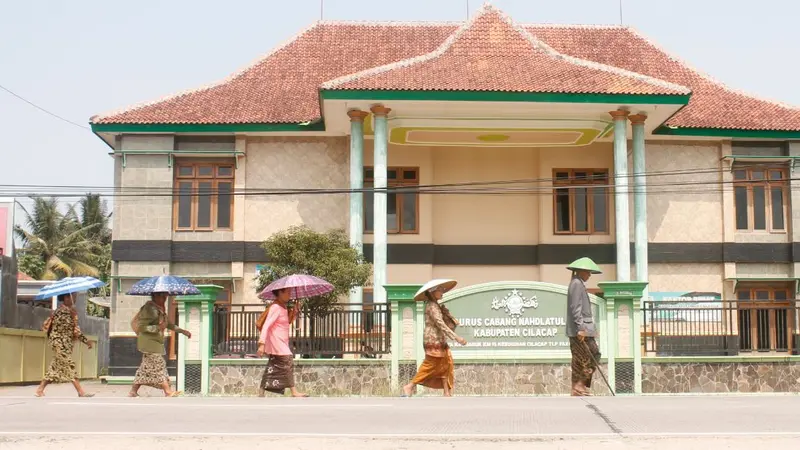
[[203, 303], [611, 339], [379, 234], [619, 294], [183, 313], [356, 184], [401, 298], [621, 221], [639, 198]]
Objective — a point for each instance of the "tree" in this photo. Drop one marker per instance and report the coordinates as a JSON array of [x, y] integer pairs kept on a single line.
[[300, 250], [58, 240], [30, 264], [94, 216]]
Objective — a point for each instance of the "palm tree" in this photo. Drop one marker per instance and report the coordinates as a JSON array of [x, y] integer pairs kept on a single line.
[[94, 211], [61, 241]]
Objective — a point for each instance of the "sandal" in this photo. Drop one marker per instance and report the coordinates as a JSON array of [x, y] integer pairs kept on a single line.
[[85, 395]]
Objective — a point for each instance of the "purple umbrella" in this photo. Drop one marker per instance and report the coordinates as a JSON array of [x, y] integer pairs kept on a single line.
[[300, 286]]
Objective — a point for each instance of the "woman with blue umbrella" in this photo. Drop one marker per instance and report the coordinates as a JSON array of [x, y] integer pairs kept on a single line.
[[62, 331], [149, 325]]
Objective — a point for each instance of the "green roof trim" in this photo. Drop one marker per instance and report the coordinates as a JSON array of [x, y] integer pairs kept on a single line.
[[489, 96], [205, 128], [724, 132]]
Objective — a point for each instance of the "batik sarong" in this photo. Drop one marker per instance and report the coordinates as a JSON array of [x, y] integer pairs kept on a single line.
[[279, 374], [583, 366]]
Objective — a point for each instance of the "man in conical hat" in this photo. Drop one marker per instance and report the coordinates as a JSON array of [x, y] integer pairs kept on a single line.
[[580, 326]]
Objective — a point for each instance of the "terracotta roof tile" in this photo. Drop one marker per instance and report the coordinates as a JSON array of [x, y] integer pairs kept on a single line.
[[712, 104], [491, 53], [283, 87]]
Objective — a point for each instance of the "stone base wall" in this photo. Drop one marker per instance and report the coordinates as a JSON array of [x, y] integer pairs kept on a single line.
[[373, 379], [514, 379], [716, 377], [333, 380]]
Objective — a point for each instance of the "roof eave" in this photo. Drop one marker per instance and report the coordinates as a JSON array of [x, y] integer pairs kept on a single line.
[[311, 126], [666, 130]]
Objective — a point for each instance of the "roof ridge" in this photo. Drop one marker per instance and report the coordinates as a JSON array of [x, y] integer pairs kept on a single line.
[[442, 23], [392, 23], [228, 79], [519, 28], [703, 74], [576, 25]]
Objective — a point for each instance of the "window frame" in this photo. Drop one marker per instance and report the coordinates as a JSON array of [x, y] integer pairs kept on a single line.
[[573, 183], [753, 306], [397, 182], [748, 183], [195, 179]]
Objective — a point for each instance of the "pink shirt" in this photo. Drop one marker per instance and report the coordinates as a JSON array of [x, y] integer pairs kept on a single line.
[[275, 334]]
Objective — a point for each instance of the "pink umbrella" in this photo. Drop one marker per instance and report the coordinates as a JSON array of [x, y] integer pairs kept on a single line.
[[300, 286]]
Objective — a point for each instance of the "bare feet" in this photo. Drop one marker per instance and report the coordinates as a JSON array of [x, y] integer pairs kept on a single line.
[[299, 394], [86, 395], [133, 394], [39, 393], [408, 390]]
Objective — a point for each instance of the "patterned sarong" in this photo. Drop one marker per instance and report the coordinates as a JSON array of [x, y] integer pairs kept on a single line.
[[583, 367], [152, 371], [279, 374], [434, 370]]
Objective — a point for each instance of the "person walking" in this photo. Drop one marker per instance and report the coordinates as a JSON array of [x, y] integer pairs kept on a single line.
[[580, 327], [149, 324], [62, 332], [274, 342], [437, 370]]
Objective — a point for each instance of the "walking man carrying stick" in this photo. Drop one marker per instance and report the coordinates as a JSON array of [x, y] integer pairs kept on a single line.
[[580, 327]]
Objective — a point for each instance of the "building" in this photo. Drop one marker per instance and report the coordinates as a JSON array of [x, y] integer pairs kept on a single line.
[[569, 123]]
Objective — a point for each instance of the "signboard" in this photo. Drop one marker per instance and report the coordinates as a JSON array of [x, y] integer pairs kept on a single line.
[[685, 306], [511, 317]]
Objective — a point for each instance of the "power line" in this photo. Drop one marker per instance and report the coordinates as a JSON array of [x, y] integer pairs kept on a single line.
[[661, 176], [44, 110]]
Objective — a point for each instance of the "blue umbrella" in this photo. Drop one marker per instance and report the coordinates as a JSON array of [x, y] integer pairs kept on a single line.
[[168, 284], [68, 286]]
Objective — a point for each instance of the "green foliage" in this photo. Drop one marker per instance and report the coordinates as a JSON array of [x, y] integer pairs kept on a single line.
[[30, 264], [300, 250], [59, 240], [60, 244]]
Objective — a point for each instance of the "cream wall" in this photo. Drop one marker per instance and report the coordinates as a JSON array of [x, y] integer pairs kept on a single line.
[[469, 275], [295, 163], [687, 278], [485, 219], [145, 217], [677, 211]]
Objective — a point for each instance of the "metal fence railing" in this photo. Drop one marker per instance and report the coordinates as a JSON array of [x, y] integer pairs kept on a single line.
[[352, 329], [722, 328]]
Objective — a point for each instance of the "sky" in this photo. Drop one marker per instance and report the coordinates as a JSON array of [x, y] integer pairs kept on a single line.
[[86, 57]]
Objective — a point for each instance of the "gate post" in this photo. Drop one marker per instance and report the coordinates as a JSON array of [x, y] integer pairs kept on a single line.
[[401, 302], [197, 318], [623, 310]]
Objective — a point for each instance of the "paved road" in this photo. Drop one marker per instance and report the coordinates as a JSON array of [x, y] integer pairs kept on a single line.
[[66, 422]]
